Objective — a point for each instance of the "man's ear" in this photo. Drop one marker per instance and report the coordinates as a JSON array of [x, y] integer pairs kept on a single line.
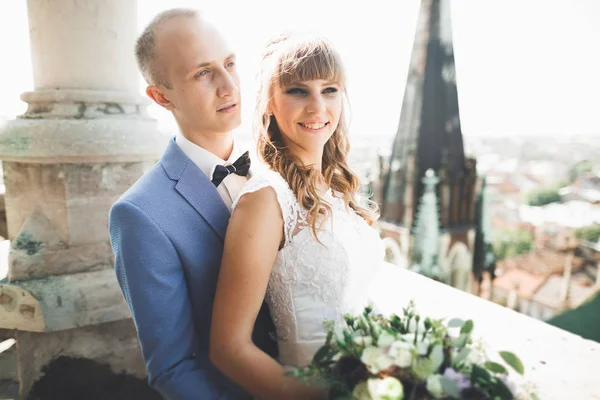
[[159, 96]]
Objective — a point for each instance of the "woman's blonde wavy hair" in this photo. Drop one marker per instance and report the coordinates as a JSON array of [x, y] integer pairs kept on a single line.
[[290, 59]]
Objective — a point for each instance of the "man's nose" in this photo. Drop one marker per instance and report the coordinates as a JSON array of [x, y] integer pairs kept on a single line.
[[227, 84]]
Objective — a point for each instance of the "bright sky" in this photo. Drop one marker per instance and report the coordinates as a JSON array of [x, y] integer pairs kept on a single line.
[[523, 67]]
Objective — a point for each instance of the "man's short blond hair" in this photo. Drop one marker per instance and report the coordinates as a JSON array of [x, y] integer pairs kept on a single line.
[[145, 47]]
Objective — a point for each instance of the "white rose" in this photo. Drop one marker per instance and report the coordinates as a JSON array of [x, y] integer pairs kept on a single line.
[[363, 340], [376, 359], [361, 392], [385, 340], [409, 337], [423, 347], [388, 388], [414, 327], [401, 352], [434, 386], [476, 356]]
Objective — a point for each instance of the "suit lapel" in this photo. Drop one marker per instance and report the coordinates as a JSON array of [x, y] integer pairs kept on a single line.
[[195, 187]]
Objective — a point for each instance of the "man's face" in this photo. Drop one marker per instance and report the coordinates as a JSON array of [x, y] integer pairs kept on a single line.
[[201, 69]]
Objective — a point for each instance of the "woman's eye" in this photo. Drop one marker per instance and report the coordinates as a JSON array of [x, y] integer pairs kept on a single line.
[[296, 91], [230, 64], [330, 90]]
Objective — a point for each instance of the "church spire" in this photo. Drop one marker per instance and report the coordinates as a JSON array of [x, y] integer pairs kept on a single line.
[[429, 133], [427, 230]]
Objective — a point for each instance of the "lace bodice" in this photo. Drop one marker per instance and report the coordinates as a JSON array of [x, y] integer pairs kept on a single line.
[[312, 282]]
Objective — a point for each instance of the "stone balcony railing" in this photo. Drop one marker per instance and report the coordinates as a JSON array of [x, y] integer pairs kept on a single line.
[[560, 364], [563, 366]]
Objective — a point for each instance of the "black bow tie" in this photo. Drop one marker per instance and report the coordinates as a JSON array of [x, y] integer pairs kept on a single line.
[[239, 167]]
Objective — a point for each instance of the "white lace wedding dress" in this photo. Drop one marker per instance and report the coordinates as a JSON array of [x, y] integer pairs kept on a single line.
[[312, 282]]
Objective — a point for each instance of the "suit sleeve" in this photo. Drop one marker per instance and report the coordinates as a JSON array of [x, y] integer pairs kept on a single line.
[[151, 277]]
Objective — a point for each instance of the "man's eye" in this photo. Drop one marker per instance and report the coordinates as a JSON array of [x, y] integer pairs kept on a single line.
[[202, 73]]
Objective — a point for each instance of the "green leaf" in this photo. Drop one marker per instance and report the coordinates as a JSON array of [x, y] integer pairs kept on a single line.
[[534, 396], [513, 361], [500, 391], [396, 324], [455, 323], [329, 337], [348, 338], [479, 374], [450, 387], [321, 353], [467, 328], [495, 367]]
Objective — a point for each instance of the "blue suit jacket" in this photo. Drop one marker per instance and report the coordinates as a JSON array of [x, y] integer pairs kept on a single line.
[[167, 235]]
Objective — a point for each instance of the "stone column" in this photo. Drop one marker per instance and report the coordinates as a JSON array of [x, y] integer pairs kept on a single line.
[[84, 139]]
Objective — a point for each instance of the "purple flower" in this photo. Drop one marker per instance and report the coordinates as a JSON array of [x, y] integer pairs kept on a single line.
[[461, 380]]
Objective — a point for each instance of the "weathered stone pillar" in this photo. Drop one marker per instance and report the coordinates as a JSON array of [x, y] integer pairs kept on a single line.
[[85, 138]]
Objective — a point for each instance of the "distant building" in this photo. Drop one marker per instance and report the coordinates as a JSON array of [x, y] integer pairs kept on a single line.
[[543, 283], [429, 137], [585, 188]]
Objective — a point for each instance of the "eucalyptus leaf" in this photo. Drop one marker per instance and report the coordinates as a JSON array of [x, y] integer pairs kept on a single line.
[[462, 355], [437, 357], [460, 341], [467, 327], [455, 323], [450, 387], [495, 367], [512, 360]]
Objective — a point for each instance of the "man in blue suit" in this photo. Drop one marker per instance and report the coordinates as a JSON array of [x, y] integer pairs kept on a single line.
[[167, 230]]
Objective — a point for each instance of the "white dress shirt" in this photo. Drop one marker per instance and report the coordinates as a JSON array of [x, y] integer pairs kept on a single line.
[[207, 161]]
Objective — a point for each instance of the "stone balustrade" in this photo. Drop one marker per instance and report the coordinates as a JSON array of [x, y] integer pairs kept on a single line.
[[561, 365]]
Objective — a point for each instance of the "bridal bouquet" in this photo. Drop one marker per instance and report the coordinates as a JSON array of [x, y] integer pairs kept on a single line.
[[411, 358]]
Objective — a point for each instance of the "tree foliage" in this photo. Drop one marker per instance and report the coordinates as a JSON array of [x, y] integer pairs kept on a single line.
[[543, 196], [590, 233], [511, 243]]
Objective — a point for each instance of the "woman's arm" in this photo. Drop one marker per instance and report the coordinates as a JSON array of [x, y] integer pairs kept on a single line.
[[251, 245]]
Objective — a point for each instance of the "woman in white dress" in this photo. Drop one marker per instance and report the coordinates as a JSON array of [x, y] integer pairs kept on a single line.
[[298, 234]]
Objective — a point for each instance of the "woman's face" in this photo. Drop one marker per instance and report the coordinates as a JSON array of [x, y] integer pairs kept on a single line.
[[307, 114]]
